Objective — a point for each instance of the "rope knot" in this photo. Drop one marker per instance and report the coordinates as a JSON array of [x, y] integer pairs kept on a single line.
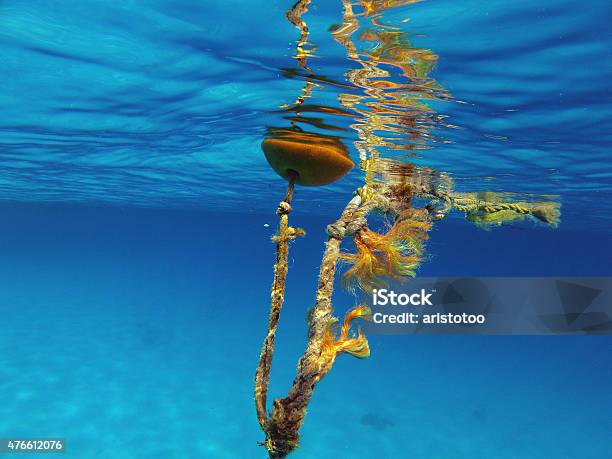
[[283, 208], [367, 192], [336, 230]]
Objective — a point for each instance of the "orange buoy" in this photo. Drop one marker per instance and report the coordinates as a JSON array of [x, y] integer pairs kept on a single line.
[[312, 159]]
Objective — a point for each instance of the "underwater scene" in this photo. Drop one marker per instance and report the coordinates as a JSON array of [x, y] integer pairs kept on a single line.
[[201, 202]]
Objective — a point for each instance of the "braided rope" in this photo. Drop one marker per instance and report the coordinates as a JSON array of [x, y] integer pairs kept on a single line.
[[473, 205]]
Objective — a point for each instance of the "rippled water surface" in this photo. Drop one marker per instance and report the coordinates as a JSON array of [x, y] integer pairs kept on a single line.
[[165, 103]]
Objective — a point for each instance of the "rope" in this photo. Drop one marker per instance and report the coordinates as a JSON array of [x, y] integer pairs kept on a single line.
[[352, 219], [282, 238], [473, 205], [367, 193]]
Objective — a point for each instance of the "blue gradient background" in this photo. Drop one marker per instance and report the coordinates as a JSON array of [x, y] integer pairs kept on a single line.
[[135, 265]]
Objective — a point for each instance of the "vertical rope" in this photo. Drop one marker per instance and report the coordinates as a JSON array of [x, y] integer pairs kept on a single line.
[[282, 238]]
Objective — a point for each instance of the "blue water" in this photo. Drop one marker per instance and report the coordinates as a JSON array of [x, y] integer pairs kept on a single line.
[[137, 209]]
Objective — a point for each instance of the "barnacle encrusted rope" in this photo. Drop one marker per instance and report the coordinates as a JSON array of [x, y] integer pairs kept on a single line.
[[379, 256], [282, 238], [282, 429], [287, 417]]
